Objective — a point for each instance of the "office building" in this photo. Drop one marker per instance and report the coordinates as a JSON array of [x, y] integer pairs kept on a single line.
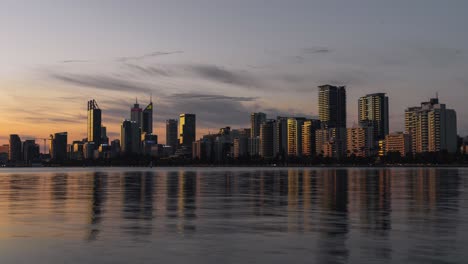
[[267, 138], [308, 137], [187, 130], [130, 137], [256, 119], [171, 133], [30, 151], [147, 117], [94, 122], [373, 112], [104, 138], [89, 150], [136, 114], [58, 146], [15, 154], [295, 136], [432, 127], [149, 141], [254, 146]]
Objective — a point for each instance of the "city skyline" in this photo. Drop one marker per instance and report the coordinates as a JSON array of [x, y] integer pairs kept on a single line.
[[274, 66]]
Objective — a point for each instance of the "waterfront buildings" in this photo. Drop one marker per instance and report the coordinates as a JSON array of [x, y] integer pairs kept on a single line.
[[171, 133], [58, 146], [187, 130], [94, 123], [14, 153], [432, 127], [373, 112]]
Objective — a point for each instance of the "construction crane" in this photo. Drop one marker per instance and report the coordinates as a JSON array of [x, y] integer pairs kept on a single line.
[[45, 143]]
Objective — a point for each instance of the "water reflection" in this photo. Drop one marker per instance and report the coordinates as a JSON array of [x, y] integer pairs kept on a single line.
[[330, 215]]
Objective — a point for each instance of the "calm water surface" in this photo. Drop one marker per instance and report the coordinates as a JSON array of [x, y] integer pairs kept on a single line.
[[115, 215]]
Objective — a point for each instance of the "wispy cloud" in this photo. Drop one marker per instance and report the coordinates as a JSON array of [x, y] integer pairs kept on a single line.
[[316, 50], [223, 75], [101, 82], [209, 97], [75, 61], [148, 55]]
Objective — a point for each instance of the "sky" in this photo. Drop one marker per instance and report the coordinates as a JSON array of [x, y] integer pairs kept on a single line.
[[223, 59]]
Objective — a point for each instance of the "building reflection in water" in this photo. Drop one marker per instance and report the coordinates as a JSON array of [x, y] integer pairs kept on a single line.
[[137, 207], [344, 214], [98, 197], [433, 212]]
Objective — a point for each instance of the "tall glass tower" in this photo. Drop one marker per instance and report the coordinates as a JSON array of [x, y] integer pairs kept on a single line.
[[94, 123]]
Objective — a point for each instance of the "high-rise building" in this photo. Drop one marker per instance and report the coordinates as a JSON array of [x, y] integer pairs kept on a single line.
[[295, 135], [373, 112], [30, 151], [308, 137], [149, 143], [15, 154], [332, 115], [104, 138], [360, 141], [187, 130], [281, 140], [256, 119], [267, 138], [148, 119], [432, 127], [58, 146], [331, 142], [332, 106], [115, 148], [171, 133], [136, 114], [130, 137], [398, 142], [94, 122]]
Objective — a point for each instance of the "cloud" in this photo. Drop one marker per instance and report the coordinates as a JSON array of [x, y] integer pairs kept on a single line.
[[74, 61], [316, 50], [219, 74], [210, 97], [101, 82], [148, 70], [148, 55]]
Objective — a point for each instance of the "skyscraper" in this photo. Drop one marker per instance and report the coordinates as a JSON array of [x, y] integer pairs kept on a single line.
[[308, 137], [256, 119], [373, 112], [94, 123], [332, 106], [136, 114], [295, 136], [187, 130], [281, 140], [332, 114], [148, 119], [15, 148], [58, 146], [130, 137], [432, 127], [171, 133], [30, 151], [267, 138]]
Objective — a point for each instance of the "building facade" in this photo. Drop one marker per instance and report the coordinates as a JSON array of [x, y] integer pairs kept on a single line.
[[187, 130], [373, 112], [94, 123], [432, 127]]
